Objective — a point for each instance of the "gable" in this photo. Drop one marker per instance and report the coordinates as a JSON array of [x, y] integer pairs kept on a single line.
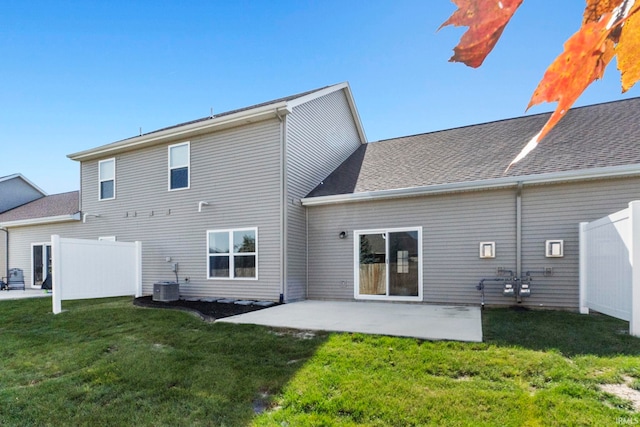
[[260, 112], [16, 190]]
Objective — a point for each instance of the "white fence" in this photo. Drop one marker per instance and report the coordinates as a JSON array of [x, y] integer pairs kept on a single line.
[[84, 269], [609, 250]]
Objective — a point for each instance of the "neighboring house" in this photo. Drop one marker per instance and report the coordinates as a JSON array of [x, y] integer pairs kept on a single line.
[[34, 223], [285, 201], [15, 190], [218, 196]]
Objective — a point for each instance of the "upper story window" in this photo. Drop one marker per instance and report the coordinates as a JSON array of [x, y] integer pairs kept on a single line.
[[179, 159], [107, 179]]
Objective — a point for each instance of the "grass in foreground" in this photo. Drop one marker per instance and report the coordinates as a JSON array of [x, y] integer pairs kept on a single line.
[[106, 362], [535, 368]]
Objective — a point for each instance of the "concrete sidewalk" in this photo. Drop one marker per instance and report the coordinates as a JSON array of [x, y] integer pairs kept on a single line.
[[20, 294], [429, 322]]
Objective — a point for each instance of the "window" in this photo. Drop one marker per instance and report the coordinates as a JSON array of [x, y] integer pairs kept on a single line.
[[403, 262], [232, 254], [179, 159], [107, 179]]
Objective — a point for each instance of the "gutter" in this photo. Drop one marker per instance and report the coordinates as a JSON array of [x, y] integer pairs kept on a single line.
[[224, 121], [487, 184], [39, 221]]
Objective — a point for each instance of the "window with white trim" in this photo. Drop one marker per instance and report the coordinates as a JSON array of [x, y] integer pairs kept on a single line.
[[179, 165], [107, 179], [232, 254]]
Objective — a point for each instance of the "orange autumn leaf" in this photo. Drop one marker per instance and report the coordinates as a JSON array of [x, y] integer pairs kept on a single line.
[[486, 20], [610, 28], [585, 57], [628, 50], [596, 8]]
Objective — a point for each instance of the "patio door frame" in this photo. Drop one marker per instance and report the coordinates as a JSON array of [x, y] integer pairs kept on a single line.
[[45, 263], [356, 251]]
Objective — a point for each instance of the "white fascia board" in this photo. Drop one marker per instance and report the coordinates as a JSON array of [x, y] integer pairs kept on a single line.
[[489, 184], [40, 221], [8, 177], [356, 115], [330, 89], [317, 94], [184, 131]]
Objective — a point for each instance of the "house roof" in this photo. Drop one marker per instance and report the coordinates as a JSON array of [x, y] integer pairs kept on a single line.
[[596, 140], [53, 208], [271, 109]]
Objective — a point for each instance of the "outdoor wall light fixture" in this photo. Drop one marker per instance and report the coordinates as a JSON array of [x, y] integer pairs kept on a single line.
[[343, 235], [86, 214]]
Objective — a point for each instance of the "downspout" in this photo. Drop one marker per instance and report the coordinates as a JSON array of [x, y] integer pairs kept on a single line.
[[6, 231], [519, 233], [80, 191], [306, 239], [283, 205]]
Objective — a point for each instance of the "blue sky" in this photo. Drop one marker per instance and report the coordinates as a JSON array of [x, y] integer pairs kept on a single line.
[[79, 74]]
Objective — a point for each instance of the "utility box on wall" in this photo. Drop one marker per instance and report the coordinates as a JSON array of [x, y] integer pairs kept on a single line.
[[487, 249], [554, 248]]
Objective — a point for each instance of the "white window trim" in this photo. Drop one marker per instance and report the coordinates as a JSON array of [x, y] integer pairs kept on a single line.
[[356, 265], [100, 180], [230, 231], [188, 165]]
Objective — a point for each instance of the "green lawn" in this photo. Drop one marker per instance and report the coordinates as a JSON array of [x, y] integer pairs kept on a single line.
[[105, 362]]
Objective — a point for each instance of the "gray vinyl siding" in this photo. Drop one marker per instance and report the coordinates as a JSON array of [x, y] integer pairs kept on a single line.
[[15, 192], [455, 224], [21, 238], [554, 212], [236, 171], [452, 228], [321, 134]]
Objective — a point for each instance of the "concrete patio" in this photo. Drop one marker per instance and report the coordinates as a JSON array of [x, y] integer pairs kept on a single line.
[[429, 322], [20, 294]]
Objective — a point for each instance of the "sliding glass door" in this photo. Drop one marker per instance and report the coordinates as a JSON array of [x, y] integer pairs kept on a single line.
[[41, 263], [388, 264]]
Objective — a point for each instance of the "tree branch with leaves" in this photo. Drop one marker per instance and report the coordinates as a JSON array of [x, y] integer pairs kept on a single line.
[[609, 28]]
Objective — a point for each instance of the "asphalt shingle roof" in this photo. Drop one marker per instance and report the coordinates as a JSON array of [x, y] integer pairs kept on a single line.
[[587, 137], [227, 113], [48, 206]]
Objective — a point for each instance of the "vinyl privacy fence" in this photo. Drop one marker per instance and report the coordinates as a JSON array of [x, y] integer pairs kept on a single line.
[[610, 266], [84, 269]]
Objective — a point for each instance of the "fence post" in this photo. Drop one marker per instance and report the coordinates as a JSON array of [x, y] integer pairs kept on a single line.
[[56, 292], [634, 255], [583, 280]]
